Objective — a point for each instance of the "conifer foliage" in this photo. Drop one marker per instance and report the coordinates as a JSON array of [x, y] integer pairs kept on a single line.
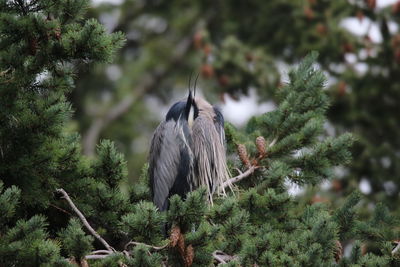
[[90, 221]]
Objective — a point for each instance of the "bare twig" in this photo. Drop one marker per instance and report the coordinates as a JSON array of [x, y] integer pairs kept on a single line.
[[101, 252], [249, 171], [273, 142], [222, 257], [84, 221], [238, 170], [60, 209], [240, 177], [96, 257], [218, 257], [149, 246], [396, 249]]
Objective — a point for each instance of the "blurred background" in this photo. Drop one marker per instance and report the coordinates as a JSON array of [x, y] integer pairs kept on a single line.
[[242, 50]]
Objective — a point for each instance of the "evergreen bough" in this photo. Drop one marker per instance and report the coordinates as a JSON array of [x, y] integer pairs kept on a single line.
[[258, 224]]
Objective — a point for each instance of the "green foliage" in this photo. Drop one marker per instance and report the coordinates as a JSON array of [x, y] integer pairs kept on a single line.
[[8, 201], [187, 213], [74, 241], [345, 215], [141, 190], [27, 243], [143, 224], [140, 258], [110, 167]]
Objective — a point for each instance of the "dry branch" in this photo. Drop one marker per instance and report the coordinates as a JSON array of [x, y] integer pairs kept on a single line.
[[143, 244], [396, 249], [84, 221], [96, 257], [240, 177], [222, 257]]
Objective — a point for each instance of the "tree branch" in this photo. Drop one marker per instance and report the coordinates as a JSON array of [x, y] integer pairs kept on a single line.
[[101, 252], [240, 177], [84, 221], [149, 246], [60, 209], [396, 249], [223, 258], [96, 257], [251, 168]]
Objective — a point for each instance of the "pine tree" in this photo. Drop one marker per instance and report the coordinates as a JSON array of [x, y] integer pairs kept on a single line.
[[59, 208]]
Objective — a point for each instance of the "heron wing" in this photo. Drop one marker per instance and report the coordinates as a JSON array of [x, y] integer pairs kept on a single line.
[[168, 147]]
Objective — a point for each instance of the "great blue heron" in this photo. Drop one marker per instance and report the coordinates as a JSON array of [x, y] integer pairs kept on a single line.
[[188, 151]]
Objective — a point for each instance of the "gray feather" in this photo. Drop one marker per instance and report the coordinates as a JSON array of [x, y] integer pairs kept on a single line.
[[165, 156]]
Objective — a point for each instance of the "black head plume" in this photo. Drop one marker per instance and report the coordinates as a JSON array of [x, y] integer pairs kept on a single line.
[[190, 99], [195, 85], [190, 103]]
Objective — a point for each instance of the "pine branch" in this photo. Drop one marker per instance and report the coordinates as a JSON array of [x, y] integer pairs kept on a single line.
[[253, 166], [101, 254], [84, 221], [240, 177]]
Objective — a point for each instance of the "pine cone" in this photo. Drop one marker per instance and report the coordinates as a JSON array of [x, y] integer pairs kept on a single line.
[[338, 251], [243, 155], [175, 236], [261, 146], [181, 246], [189, 256]]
